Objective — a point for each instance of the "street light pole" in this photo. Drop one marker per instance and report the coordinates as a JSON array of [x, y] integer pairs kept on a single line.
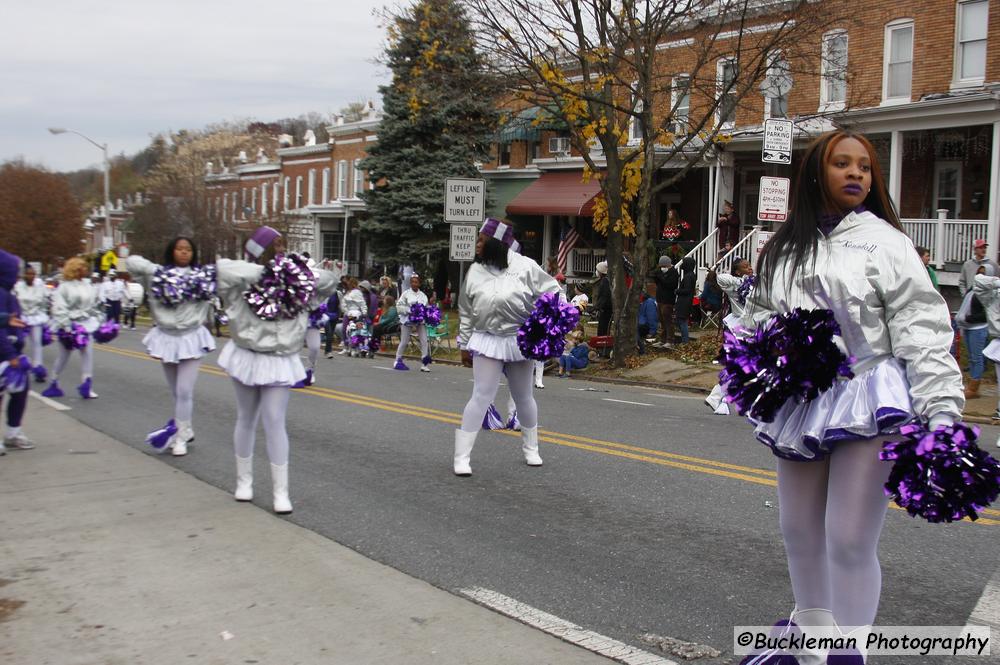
[[109, 236]]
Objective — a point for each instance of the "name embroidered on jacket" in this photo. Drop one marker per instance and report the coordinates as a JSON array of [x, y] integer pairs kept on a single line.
[[869, 247]]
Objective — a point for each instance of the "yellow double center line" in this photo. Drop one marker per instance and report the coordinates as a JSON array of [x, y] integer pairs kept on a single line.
[[612, 448]]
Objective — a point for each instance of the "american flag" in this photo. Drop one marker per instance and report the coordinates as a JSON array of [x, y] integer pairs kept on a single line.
[[567, 241]]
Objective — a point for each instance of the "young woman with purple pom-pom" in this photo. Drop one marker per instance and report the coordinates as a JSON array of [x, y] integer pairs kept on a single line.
[[496, 299], [76, 316], [843, 250], [180, 299], [267, 303], [33, 296], [407, 299]]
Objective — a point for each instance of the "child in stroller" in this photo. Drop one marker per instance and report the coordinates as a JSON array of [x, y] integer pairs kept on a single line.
[[358, 334]]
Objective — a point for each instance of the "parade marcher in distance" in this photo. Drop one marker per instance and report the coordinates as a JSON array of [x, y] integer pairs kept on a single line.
[[75, 304], [267, 326], [844, 250], [33, 297], [410, 297], [180, 301], [497, 297], [12, 338]]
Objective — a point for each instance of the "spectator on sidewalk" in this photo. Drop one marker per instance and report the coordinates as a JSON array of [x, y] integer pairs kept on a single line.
[[971, 318], [970, 267], [925, 256], [666, 279], [648, 318], [388, 320], [602, 299], [728, 224], [578, 298], [685, 296], [575, 356], [987, 290]]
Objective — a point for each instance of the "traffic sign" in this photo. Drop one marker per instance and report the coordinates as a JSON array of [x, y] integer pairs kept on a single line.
[[464, 200], [772, 203], [762, 238], [777, 147], [463, 242]]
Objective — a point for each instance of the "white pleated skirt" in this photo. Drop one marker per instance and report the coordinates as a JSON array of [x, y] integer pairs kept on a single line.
[[498, 347], [173, 348], [261, 369], [36, 319], [872, 404]]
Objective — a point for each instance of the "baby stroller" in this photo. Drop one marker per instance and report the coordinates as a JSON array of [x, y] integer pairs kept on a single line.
[[358, 335]]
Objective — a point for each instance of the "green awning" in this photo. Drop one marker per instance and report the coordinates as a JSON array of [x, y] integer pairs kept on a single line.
[[502, 192], [527, 125]]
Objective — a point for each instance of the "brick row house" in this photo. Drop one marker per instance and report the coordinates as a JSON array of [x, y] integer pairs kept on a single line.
[[311, 192], [921, 79]]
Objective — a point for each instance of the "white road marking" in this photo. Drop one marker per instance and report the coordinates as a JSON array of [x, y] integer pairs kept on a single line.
[[50, 402], [625, 401], [564, 630], [666, 396], [987, 610]]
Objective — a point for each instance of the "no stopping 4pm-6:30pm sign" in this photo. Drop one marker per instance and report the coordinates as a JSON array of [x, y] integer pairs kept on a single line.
[[772, 204]]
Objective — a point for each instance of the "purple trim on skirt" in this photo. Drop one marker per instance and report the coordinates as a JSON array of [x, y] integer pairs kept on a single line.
[[888, 420]]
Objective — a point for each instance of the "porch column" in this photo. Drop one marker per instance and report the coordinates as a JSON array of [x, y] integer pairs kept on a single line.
[[546, 238], [993, 231], [896, 167]]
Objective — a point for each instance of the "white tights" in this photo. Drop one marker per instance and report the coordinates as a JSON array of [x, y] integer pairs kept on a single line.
[[312, 344], [268, 404], [36, 346], [181, 377], [486, 373], [404, 338], [86, 362], [831, 515]]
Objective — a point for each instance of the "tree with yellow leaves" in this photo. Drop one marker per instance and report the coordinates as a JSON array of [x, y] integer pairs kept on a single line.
[[637, 85]]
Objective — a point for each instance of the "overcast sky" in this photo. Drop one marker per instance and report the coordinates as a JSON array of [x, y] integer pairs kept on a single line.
[[123, 70]]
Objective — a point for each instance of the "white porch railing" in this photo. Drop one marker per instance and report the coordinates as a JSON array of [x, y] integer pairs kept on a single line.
[[705, 252], [584, 260], [949, 240], [743, 249]]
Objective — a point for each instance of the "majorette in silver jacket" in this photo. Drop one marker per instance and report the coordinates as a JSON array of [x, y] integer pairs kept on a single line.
[[75, 301], [870, 276], [408, 299], [183, 318], [282, 336], [498, 302], [34, 299]]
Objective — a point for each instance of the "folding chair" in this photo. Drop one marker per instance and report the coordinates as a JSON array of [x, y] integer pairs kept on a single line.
[[437, 334]]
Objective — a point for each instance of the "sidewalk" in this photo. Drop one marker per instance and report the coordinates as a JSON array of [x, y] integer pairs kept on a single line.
[[109, 556]]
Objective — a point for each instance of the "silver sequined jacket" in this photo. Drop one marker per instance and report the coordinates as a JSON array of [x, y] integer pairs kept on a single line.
[[75, 301], [178, 320], [870, 276], [34, 299], [498, 302], [282, 336]]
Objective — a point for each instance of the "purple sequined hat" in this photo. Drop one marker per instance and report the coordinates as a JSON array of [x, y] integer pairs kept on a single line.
[[260, 241], [502, 231]]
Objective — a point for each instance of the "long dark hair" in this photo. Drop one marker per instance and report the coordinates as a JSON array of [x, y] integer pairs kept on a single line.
[[494, 254], [168, 254], [797, 239]]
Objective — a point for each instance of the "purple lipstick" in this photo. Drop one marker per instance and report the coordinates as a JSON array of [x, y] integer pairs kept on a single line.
[[852, 188]]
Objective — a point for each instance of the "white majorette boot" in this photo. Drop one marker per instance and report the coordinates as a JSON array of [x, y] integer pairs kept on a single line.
[[244, 478], [857, 655], [279, 482], [184, 436], [463, 451], [817, 623], [529, 444]]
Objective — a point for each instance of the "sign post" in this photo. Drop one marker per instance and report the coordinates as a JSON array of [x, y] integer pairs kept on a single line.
[[772, 204], [777, 147], [465, 210]]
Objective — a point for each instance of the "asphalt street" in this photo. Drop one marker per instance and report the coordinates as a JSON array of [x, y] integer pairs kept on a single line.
[[651, 515]]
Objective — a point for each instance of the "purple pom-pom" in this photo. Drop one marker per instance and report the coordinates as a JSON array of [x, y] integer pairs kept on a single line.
[[75, 338], [543, 334], [15, 379], [492, 419], [46, 336], [107, 332], [284, 289], [432, 316], [318, 317], [942, 475], [743, 290], [417, 313], [173, 286], [159, 438], [792, 356]]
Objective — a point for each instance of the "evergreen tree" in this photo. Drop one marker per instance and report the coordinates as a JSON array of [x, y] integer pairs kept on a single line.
[[439, 114]]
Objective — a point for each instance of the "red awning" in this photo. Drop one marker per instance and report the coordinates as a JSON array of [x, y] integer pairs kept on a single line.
[[558, 193]]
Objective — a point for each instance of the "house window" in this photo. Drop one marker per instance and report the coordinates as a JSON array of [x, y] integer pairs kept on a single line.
[[503, 154], [534, 151], [898, 72], [253, 200], [725, 84], [263, 199], [298, 192], [274, 197], [284, 200], [311, 198], [342, 179], [777, 85], [970, 35], [833, 86], [359, 179], [948, 188], [680, 102], [326, 186]]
